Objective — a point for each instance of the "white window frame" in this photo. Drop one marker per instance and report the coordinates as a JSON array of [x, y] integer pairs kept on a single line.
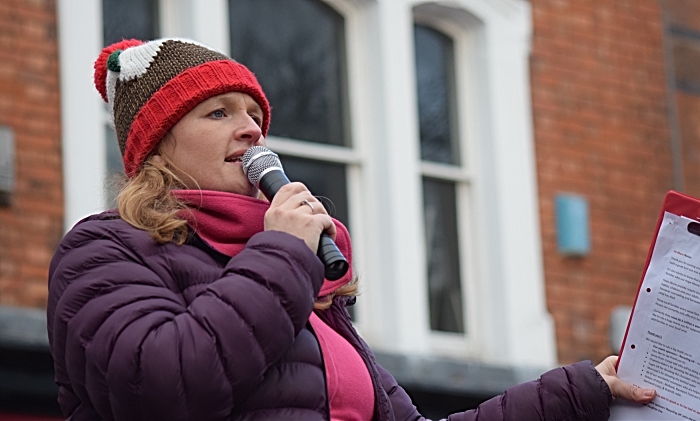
[[511, 325], [465, 52], [82, 129], [510, 284]]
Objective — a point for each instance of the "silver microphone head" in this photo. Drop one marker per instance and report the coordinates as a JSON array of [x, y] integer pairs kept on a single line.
[[257, 161]]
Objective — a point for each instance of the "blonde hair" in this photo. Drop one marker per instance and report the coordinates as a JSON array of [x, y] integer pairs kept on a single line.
[[145, 202]]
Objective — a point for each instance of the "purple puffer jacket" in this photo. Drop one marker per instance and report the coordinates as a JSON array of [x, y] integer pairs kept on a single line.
[[144, 331]]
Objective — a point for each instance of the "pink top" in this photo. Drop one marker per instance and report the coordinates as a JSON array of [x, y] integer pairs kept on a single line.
[[350, 391]]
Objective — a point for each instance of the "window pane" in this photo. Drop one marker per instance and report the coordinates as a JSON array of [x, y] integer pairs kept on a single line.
[[444, 285], [115, 166], [325, 180], [436, 96], [129, 19], [296, 48]]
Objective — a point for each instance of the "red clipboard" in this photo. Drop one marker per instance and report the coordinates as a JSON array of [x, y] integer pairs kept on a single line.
[[678, 204]]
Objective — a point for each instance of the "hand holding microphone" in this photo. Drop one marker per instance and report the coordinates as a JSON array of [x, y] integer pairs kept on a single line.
[[296, 211], [264, 170]]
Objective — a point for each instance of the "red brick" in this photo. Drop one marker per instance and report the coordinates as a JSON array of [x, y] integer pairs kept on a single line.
[[601, 130], [29, 104]]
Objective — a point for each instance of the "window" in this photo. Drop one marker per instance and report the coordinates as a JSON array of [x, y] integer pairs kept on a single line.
[[439, 143], [435, 76], [296, 48], [124, 19]]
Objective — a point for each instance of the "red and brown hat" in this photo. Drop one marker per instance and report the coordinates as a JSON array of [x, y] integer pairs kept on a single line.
[[150, 86]]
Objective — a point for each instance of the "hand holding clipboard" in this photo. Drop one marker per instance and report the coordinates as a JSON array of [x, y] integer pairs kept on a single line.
[[661, 348]]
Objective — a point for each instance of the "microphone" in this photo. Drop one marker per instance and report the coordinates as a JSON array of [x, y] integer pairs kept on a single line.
[[264, 171]]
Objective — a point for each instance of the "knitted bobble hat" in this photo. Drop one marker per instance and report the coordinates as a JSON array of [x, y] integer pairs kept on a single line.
[[150, 86]]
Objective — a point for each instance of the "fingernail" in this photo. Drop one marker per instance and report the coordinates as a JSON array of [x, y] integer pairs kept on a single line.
[[648, 393]]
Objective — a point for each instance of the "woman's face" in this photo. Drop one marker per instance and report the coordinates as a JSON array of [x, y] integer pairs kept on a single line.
[[205, 147]]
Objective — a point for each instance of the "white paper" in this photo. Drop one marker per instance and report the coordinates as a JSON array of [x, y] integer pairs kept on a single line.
[[662, 350]]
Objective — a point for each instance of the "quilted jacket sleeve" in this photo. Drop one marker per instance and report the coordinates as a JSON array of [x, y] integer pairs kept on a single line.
[[571, 393], [125, 339]]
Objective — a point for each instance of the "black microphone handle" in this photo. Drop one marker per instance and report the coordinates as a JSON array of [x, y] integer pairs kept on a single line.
[[335, 264]]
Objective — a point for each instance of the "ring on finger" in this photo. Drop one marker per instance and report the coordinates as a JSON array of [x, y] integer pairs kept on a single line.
[[306, 202]]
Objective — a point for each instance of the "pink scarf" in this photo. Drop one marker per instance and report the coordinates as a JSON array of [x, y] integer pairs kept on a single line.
[[226, 221]]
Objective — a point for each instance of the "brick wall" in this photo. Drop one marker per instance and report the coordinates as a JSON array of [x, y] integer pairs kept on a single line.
[[31, 226], [684, 20], [601, 131]]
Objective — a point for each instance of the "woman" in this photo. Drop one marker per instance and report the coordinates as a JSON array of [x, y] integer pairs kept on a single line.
[[198, 301]]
